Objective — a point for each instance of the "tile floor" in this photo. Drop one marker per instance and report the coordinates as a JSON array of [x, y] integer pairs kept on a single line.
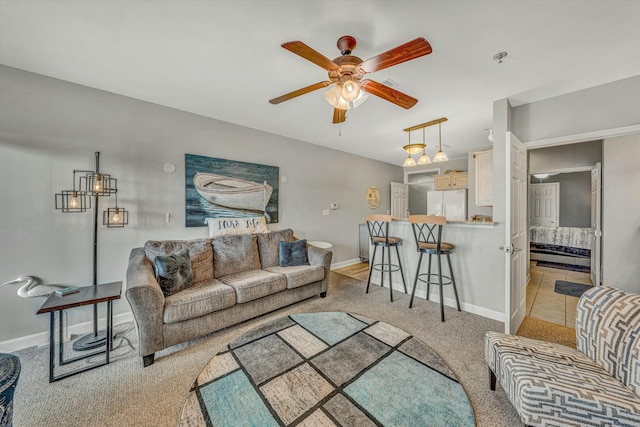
[[544, 304]]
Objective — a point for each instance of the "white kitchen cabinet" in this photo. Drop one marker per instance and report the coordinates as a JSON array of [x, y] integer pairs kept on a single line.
[[484, 177], [451, 181]]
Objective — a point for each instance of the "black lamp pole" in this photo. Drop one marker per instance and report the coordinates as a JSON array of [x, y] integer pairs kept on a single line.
[[95, 339]]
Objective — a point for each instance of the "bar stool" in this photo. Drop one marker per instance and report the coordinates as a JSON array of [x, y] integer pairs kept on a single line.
[[378, 225], [428, 241]]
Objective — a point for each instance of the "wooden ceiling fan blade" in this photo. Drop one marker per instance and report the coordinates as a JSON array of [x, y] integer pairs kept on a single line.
[[310, 54], [299, 92], [406, 52], [391, 95], [339, 115]]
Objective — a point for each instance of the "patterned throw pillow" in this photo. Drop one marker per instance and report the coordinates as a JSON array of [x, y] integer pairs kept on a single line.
[[173, 272], [293, 253]]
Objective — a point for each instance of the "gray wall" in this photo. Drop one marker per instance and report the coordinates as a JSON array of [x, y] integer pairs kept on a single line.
[[565, 156], [575, 197], [49, 127], [601, 107], [621, 213]]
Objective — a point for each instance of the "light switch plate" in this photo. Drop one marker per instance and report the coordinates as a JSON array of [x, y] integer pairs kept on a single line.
[[325, 212]]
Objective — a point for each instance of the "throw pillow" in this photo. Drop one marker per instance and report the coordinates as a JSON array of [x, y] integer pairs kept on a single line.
[[268, 243], [293, 253], [229, 226], [173, 272]]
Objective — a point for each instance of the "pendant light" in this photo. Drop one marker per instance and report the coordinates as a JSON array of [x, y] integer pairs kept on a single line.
[[411, 149], [424, 159], [440, 155]]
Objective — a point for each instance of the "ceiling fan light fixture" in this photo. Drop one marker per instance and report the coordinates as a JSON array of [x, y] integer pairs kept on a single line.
[[350, 90], [362, 96], [333, 96]]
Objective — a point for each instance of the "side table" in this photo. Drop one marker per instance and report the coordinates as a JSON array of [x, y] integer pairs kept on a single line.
[[88, 295]]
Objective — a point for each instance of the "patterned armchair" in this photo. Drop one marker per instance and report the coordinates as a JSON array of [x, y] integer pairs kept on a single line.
[[598, 384], [9, 373]]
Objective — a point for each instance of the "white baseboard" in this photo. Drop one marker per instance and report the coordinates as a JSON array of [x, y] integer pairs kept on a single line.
[[345, 263], [450, 302], [42, 338]]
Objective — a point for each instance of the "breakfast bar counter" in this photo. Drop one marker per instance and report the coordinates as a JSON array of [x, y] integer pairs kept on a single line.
[[475, 276]]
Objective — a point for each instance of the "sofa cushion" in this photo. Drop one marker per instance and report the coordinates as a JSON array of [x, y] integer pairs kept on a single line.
[[269, 246], [253, 284], [200, 299], [233, 254], [173, 272], [299, 275], [293, 253], [200, 252], [568, 389]]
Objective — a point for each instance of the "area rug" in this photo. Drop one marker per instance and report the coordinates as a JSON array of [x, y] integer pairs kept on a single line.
[[570, 267], [571, 289], [326, 369]]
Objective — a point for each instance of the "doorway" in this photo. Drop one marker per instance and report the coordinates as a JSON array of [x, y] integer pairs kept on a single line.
[[563, 216]]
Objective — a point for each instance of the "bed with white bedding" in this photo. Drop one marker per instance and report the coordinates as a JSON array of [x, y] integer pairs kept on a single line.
[[566, 245]]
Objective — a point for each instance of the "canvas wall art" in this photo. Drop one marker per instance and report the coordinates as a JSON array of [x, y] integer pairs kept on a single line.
[[220, 188]]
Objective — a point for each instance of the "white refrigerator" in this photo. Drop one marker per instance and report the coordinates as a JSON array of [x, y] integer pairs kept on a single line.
[[449, 203]]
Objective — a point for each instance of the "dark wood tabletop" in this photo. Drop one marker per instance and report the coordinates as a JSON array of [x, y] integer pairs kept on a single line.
[[88, 295]]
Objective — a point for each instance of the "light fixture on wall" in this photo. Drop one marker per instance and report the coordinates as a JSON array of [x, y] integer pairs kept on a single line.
[[96, 184], [416, 148]]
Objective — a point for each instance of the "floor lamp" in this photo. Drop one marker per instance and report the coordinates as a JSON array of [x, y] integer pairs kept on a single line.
[[92, 184]]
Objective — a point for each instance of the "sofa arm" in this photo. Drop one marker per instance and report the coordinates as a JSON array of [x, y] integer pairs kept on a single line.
[[321, 257], [147, 302]]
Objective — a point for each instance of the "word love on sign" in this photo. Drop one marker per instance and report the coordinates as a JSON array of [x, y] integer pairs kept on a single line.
[[226, 226]]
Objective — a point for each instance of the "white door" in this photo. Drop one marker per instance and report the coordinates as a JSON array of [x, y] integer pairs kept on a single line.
[[399, 200], [516, 233], [596, 212], [544, 202]]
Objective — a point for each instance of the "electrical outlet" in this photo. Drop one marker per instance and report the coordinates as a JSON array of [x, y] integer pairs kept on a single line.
[[325, 212]]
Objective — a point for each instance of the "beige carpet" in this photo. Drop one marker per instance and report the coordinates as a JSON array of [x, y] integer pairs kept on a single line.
[[546, 331], [125, 394]]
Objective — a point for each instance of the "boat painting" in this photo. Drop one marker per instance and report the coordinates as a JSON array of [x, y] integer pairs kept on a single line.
[[229, 189], [232, 192]]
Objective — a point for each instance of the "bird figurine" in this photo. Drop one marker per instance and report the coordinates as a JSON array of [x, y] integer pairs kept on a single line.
[[33, 287]]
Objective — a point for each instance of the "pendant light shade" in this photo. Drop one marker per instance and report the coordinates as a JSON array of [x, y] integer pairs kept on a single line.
[[409, 162], [440, 155]]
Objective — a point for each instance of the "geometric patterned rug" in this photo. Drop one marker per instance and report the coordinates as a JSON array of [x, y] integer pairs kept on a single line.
[[326, 369]]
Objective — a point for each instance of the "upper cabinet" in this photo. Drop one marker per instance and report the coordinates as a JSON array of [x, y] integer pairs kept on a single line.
[[484, 177], [451, 181]]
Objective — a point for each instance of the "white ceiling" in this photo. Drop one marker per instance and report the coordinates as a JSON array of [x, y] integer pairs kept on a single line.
[[222, 58]]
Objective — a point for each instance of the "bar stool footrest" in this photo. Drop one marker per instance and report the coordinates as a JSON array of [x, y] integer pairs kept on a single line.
[[446, 280]]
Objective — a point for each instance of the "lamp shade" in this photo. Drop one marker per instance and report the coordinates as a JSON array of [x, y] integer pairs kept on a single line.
[[440, 157], [350, 90], [424, 159], [409, 162]]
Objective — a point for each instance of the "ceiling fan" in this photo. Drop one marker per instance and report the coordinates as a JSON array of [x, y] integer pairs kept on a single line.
[[347, 71]]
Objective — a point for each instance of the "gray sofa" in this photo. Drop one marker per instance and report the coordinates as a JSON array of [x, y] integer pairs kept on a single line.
[[235, 278]]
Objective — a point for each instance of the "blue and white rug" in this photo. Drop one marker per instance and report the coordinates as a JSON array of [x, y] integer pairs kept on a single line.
[[327, 369]]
